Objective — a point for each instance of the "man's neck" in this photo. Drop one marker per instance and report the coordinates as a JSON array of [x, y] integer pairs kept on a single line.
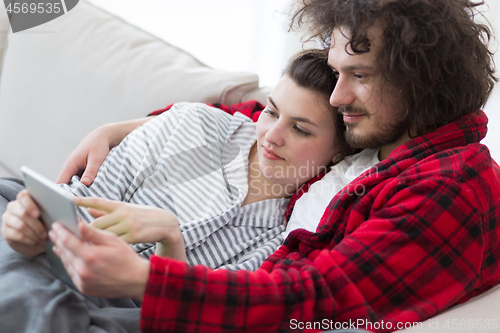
[[387, 149]]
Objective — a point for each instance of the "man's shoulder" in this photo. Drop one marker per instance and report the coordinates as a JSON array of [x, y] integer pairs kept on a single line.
[[458, 159], [467, 166]]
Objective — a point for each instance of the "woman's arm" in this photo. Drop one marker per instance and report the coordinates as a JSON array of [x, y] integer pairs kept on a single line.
[[94, 148]]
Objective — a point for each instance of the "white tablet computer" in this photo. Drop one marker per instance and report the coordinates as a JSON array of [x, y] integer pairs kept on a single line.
[[55, 204]]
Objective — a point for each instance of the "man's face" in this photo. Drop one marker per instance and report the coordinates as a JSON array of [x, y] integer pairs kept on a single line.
[[371, 111]]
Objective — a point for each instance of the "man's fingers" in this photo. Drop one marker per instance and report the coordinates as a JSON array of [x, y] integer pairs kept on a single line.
[[63, 238], [90, 171], [67, 171], [68, 259], [70, 167], [97, 203]]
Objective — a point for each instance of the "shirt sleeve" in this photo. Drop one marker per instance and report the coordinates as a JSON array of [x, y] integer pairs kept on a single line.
[[187, 298]]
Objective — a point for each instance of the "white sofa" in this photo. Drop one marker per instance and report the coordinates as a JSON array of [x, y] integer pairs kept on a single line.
[[64, 78]]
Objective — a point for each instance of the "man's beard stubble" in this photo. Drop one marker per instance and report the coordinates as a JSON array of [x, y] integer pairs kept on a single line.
[[381, 135]]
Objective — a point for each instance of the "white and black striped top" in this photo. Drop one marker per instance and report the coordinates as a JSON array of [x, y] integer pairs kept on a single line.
[[193, 162]]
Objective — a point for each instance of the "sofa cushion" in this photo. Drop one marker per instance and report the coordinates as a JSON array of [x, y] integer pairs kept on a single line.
[[64, 78], [479, 314]]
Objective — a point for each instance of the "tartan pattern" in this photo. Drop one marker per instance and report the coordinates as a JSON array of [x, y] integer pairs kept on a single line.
[[252, 109], [423, 236]]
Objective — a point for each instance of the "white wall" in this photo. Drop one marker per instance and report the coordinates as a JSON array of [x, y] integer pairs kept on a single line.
[[237, 35], [249, 35], [492, 108]]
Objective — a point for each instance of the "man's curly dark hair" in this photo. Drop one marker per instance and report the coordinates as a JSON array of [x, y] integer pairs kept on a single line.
[[434, 51]]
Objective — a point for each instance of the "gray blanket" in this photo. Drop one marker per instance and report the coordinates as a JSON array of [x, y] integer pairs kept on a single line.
[[33, 300]]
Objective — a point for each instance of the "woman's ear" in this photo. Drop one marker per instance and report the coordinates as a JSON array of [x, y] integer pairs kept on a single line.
[[337, 159]]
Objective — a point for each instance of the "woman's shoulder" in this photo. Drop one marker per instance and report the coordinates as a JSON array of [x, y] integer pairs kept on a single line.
[[206, 112], [209, 119]]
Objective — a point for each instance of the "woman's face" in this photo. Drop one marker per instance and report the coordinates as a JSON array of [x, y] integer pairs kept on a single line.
[[296, 134]]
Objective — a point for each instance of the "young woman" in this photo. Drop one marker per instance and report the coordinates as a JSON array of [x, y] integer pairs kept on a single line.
[[211, 188]]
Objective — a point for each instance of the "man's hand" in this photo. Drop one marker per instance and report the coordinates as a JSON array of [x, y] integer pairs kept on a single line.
[[100, 264], [89, 155], [22, 228]]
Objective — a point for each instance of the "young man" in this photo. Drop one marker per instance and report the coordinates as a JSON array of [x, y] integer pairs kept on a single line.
[[396, 246]]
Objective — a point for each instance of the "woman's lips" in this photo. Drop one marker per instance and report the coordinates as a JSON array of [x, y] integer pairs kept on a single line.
[[270, 155]]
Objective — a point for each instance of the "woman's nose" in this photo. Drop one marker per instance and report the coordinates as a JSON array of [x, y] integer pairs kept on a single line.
[[274, 135]]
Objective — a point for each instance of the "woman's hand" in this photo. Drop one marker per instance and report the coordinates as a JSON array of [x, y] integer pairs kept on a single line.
[[22, 228], [137, 224], [100, 264], [93, 150]]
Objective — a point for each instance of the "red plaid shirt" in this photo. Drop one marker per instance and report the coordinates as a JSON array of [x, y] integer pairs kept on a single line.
[[251, 109], [399, 245]]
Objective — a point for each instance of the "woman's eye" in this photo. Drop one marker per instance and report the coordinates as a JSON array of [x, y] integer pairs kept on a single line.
[[270, 112], [360, 76], [300, 131]]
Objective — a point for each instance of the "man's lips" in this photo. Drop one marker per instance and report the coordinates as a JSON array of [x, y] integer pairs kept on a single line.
[[270, 155], [351, 118], [352, 114]]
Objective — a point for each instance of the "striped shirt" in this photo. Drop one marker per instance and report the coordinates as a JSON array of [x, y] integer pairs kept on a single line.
[[193, 162]]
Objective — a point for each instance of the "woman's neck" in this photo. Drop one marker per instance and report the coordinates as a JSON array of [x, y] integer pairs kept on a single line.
[[260, 187]]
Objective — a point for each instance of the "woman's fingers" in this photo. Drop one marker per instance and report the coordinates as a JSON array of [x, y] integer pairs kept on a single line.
[[105, 221], [95, 213], [28, 204], [121, 229], [97, 203], [11, 232], [19, 219]]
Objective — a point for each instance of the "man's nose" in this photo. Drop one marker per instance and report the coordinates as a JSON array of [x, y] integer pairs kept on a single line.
[[343, 94]]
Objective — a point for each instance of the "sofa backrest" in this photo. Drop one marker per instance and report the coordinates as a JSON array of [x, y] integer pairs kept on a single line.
[[64, 78]]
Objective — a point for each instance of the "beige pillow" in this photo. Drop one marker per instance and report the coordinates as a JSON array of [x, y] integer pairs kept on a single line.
[[62, 79]]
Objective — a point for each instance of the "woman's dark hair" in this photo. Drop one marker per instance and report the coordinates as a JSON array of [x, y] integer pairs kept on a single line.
[[309, 69], [434, 51]]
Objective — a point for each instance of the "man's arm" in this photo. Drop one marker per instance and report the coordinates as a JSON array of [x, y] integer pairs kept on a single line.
[[94, 148], [92, 151], [411, 259]]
